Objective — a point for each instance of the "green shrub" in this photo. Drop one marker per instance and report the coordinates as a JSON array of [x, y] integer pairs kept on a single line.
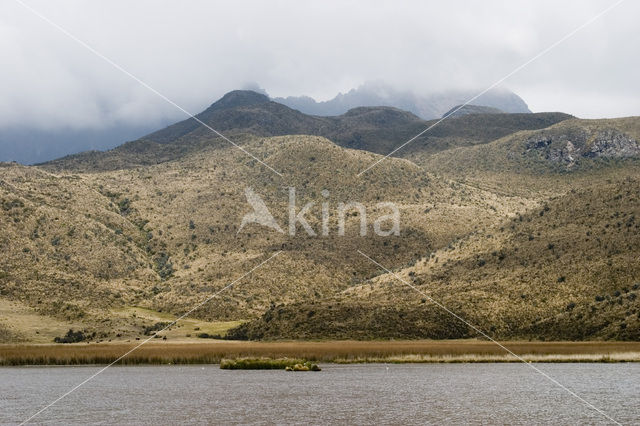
[[258, 363], [124, 206], [163, 266]]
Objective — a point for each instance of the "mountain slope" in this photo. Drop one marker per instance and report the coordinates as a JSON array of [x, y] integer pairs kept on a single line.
[[526, 224], [166, 236], [242, 113], [567, 270], [569, 146]]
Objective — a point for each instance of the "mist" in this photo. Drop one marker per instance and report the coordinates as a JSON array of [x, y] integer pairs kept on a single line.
[[195, 52]]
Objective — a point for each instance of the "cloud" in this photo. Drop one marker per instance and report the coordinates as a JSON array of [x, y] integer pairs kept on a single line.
[[196, 51]]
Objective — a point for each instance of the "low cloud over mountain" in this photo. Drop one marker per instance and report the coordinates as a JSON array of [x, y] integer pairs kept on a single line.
[[427, 106]]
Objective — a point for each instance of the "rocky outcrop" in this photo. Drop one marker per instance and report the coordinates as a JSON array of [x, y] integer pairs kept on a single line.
[[569, 147], [613, 143]]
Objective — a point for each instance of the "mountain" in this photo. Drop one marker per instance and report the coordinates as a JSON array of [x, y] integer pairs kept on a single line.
[[427, 107], [29, 145], [525, 224], [376, 129], [242, 112], [85, 248]]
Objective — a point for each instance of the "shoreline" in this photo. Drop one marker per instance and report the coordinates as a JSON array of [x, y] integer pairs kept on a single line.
[[338, 352]]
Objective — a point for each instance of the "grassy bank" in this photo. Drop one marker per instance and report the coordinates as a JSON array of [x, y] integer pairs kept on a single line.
[[326, 351]]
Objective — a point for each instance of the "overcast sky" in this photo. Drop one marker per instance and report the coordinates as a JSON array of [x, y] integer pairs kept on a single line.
[[195, 51]]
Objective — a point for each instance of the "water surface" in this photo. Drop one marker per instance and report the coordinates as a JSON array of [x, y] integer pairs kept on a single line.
[[352, 394]]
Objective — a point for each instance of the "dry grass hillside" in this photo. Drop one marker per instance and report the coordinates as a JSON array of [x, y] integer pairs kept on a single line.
[[81, 247], [567, 270], [533, 235], [570, 153]]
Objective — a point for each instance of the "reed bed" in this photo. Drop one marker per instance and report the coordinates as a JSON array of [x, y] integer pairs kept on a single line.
[[324, 351]]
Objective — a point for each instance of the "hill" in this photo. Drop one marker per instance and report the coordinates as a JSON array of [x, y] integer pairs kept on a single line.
[[86, 249], [537, 160], [567, 270]]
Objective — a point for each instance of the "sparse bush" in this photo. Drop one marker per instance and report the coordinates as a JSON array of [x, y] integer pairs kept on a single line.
[[124, 206], [71, 337], [8, 205], [209, 336], [155, 327], [163, 266]]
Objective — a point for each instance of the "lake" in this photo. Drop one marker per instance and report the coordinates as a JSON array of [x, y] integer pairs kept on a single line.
[[354, 394]]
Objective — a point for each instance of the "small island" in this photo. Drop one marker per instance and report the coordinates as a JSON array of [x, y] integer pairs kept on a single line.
[[287, 364]]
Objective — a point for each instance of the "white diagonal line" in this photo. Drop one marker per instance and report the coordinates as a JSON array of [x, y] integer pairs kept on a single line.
[[500, 81], [119, 68], [150, 337], [478, 330]]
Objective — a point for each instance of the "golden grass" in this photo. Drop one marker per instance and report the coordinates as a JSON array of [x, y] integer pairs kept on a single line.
[[105, 251], [73, 253], [188, 325], [325, 351], [25, 322]]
